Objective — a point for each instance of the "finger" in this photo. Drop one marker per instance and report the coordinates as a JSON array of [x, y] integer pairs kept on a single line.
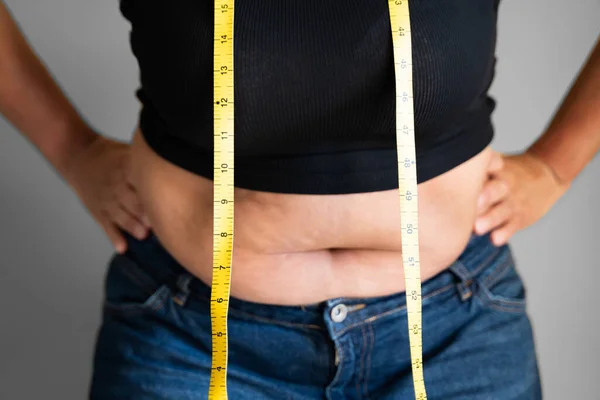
[[114, 235], [496, 162], [501, 235], [494, 191], [128, 222], [129, 200], [496, 216]]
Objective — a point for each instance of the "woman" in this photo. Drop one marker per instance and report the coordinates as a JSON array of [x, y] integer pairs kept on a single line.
[[318, 308]]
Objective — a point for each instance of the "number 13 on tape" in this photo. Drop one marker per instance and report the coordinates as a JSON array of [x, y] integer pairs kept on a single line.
[[223, 104]]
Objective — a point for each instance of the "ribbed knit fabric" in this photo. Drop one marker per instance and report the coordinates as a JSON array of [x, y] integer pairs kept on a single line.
[[314, 88]]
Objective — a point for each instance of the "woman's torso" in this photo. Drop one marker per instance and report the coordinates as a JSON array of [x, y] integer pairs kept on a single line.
[[298, 249], [333, 100]]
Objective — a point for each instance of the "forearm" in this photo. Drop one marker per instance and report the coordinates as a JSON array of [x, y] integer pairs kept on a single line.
[[32, 101], [573, 137]]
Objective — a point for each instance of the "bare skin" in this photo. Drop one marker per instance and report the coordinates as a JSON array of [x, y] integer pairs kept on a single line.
[[296, 249]]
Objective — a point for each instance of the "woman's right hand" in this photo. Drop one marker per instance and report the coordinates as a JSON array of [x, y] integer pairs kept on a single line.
[[100, 176], [96, 168]]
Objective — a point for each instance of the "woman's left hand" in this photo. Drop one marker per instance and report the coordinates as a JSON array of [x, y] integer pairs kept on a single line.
[[520, 190]]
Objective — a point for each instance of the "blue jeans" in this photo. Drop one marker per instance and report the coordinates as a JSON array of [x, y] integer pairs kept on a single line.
[[155, 338]]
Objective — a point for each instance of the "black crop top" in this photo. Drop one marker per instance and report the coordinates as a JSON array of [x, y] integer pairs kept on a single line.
[[314, 88]]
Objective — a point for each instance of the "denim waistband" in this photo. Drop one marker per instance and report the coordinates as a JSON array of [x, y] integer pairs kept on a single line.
[[151, 257]]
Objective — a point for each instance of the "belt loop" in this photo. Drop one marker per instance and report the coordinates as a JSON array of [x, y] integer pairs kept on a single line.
[[183, 289], [464, 286]]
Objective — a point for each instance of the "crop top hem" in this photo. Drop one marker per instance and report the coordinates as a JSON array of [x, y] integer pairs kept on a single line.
[[335, 173]]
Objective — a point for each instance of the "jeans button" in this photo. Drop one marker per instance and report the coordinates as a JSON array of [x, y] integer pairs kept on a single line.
[[339, 313]]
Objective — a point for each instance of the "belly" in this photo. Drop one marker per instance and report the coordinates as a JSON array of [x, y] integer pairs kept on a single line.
[[300, 249]]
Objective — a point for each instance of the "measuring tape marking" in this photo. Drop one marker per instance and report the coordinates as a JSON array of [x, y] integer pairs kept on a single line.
[[223, 196], [224, 188], [407, 184]]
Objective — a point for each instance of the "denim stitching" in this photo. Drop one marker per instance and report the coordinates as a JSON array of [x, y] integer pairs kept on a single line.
[[514, 310], [503, 300], [498, 302], [485, 263], [501, 304], [251, 316], [498, 273], [508, 302], [363, 354], [340, 351], [368, 373], [490, 298], [460, 271], [395, 310], [155, 302]]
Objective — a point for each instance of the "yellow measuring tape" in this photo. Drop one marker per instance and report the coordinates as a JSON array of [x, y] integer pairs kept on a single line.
[[224, 188]]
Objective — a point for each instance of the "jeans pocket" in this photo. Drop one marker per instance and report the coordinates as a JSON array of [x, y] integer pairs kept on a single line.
[[130, 291], [503, 289]]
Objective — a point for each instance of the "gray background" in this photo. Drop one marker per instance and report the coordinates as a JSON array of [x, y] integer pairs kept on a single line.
[[53, 256]]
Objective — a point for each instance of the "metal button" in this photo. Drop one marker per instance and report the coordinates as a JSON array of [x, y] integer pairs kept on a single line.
[[339, 313]]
